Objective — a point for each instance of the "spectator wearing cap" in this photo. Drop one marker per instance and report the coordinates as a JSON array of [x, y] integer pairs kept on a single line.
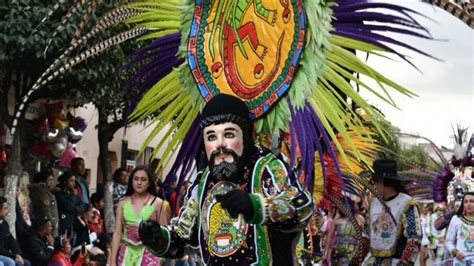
[[43, 201], [38, 246]]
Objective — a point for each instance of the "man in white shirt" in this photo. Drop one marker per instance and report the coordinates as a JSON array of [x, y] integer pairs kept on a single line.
[[395, 237]]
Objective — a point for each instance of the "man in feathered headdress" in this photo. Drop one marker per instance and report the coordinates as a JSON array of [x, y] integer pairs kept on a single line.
[[395, 237], [244, 208]]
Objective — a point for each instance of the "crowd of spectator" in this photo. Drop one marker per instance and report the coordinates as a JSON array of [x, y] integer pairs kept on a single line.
[[58, 221]]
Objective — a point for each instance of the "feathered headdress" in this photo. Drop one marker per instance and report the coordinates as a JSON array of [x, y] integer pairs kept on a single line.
[[292, 62], [457, 167]]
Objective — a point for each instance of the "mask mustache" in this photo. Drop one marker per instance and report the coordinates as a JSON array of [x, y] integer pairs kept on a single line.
[[218, 151]]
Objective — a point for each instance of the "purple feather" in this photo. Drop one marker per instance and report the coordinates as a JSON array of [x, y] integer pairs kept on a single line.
[[150, 80], [293, 144], [356, 27], [370, 40], [161, 59], [440, 185], [364, 5], [312, 137], [300, 138], [377, 38], [151, 73], [158, 43], [187, 152], [170, 49], [327, 141], [366, 16]]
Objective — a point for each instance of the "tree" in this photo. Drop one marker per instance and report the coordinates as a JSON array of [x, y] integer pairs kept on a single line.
[[23, 38], [21, 62]]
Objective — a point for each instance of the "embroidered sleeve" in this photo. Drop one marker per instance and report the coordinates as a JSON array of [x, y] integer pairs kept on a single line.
[[284, 202], [451, 235], [412, 232], [182, 229]]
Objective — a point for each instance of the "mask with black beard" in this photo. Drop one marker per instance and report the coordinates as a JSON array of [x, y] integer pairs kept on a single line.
[[225, 170]]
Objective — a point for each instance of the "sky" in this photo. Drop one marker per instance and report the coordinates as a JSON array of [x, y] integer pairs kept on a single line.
[[445, 88]]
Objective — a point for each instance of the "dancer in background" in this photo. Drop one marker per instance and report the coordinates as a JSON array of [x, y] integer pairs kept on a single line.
[[436, 237], [343, 237], [461, 232], [393, 241], [139, 203]]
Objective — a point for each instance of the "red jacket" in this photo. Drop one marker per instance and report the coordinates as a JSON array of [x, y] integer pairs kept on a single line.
[[61, 258]]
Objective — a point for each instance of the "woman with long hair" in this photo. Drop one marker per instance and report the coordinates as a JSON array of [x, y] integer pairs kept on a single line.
[[461, 232], [139, 203], [70, 206]]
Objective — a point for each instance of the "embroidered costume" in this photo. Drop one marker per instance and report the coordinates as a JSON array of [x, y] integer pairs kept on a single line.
[[395, 229], [460, 237], [244, 207], [345, 243], [390, 240], [267, 238]]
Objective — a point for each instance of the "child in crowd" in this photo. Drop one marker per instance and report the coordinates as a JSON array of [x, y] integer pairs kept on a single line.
[[62, 252], [94, 219]]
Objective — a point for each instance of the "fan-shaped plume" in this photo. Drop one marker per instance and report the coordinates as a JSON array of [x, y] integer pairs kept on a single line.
[[420, 184], [440, 185]]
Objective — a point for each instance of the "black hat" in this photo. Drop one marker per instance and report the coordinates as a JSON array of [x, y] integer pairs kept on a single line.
[[385, 169], [223, 105]]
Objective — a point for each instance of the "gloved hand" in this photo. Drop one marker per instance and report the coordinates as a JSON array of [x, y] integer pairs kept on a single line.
[[150, 233], [236, 201]]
